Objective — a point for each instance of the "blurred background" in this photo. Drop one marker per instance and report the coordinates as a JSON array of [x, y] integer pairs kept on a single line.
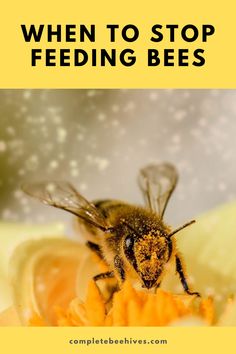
[[99, 139]]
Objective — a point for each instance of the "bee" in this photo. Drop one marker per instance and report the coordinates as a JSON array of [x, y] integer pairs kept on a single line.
[[134, 241]]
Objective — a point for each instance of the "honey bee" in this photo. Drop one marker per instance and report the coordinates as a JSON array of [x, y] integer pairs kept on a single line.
[[134, 241]]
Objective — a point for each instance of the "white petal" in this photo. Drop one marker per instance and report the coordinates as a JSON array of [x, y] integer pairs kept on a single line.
[[209, 248]]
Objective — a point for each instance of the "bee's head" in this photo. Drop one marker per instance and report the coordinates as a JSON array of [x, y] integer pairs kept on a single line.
[[148, 255]]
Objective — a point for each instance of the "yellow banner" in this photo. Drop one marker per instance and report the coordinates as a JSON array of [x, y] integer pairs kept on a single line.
[[123, 44], [114, 340]]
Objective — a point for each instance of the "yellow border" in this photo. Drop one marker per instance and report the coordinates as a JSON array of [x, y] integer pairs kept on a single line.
[[57, 340], [220, 51]]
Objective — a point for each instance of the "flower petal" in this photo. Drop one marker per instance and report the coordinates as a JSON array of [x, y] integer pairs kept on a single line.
[[208, 248], [188, 321], [12, 234], [92, 265], [229, 316], [9, 317], [43, 274]]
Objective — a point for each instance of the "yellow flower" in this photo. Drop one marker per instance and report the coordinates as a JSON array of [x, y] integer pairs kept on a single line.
[[134, 308], [52, 286]]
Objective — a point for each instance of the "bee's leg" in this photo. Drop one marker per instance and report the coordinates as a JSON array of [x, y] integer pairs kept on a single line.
[[119, 266], [103, 276], [180, 271], [95, 248], [110, 289], [156, 287]]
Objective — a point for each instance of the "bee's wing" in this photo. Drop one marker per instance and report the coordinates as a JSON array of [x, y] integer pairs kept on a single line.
[[64, 196], [157, 183]]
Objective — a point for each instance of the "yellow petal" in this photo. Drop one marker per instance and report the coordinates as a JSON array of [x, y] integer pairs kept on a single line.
[[9, 317], [188, 321], [11, 235], [132, 307], [207, 310], [90, 266], [228, 317], [95, 306], [43, 275]]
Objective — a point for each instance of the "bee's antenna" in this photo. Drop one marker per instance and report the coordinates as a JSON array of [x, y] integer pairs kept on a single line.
[[180, 228]]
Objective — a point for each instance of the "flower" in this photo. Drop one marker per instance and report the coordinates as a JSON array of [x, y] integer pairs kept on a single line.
[[134, 308], [51, 282]]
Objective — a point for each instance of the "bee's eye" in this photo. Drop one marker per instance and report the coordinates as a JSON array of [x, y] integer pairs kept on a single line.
[[129, 242]]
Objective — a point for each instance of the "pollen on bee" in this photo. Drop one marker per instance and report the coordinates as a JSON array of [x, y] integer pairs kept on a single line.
[[150, 253]]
